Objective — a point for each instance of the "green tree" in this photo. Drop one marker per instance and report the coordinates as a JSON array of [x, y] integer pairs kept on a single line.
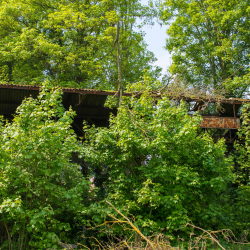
[[161, 168], [41, 191], [71, 42], [242, 169], [209, 42]]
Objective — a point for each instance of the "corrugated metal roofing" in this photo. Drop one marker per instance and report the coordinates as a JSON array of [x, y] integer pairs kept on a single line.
[[31, 88], [65, 90], [88, 103]]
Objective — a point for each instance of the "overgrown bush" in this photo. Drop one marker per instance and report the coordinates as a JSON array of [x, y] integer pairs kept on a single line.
[[42, 193], [241, 204], [160, 166]]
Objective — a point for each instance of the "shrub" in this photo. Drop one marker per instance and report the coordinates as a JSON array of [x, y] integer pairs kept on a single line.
[[161, 167], [41, 190]]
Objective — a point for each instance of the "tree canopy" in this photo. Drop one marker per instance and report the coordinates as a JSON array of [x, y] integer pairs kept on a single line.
[[210, 42], [72, 42]]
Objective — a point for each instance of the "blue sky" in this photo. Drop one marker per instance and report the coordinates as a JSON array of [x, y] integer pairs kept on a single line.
[[155, 38]]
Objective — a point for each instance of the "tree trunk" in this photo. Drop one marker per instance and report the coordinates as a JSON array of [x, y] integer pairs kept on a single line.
[[119, 64]]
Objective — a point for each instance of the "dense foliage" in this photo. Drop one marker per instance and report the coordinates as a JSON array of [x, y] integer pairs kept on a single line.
[[41, 191], [153, 162], [209, 41], [161, 167], [242, 157], [72, 43]]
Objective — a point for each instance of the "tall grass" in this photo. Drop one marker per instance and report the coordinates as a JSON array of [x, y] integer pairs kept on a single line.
[[202, 240]]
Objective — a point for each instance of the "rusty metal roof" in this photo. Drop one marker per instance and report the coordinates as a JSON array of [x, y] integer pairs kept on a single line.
[[65, 90], [88, 103], [30, 88], [220, 122]]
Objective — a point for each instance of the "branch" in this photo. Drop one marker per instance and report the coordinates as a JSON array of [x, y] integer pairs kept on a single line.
[[208, 234], [132, 225]]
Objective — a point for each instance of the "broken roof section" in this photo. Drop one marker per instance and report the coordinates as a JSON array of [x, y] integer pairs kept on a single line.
[[89, 103], [30, 89]]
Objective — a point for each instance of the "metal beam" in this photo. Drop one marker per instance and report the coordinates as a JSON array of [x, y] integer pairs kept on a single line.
[[220, 122]]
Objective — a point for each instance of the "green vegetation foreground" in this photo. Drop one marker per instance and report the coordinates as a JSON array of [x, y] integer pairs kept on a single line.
[[160, 168]]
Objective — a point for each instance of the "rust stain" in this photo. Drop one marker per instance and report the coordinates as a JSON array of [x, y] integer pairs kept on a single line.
[[220, 122]]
